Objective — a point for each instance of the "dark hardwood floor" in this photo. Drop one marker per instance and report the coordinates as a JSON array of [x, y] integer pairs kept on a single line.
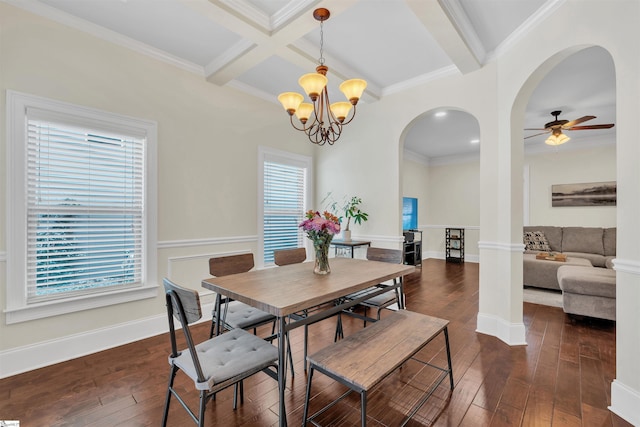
[[561, 378]]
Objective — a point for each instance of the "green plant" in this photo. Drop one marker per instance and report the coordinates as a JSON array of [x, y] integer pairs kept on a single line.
[[349, 208]]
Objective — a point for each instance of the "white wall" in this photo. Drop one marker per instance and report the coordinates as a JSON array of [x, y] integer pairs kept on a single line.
[[449, 194], [570, 167], [208, 138]]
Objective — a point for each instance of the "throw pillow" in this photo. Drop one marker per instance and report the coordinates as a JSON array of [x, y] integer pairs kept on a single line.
[[535, 241]]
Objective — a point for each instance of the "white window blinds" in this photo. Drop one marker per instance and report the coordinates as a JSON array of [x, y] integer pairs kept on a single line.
[[284, 207], [85, 208]]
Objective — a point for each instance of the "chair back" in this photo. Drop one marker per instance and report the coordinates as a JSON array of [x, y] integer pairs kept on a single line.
[[184, 305], [231, 264], [289, 256], [393, 256]]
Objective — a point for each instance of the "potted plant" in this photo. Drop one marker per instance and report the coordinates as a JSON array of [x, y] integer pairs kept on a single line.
[[349, 208]]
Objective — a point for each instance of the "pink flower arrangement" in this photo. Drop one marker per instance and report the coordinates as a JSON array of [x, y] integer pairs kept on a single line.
[[320, 229], [317, 223]]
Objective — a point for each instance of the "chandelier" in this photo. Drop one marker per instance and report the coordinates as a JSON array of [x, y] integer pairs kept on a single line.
[[320, 120]]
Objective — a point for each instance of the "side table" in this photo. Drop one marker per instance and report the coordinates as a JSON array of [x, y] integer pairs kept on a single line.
[[350, 245]]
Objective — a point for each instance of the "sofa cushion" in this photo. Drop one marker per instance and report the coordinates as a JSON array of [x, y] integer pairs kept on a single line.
[[596, 260], [542, 273], [609, 241], [551, 233], [536, 241], [583, 239], [587, 280]]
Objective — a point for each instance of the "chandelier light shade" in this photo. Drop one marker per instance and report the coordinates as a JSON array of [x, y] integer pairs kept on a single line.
[[321, 120]]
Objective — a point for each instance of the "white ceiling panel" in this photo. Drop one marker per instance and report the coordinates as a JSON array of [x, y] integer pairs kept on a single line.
[[263, 46]]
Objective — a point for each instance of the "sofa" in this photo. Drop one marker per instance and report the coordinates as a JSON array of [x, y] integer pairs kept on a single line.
[[586, 278]]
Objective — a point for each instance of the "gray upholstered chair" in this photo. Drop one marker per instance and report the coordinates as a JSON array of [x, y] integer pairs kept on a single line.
[[215, 364], [236, 314], [378, 302]]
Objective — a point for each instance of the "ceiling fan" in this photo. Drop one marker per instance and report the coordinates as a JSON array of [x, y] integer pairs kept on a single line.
[[556, 126]]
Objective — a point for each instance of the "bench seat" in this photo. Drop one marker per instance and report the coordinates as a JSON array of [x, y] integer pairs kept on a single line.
[[365, 358]]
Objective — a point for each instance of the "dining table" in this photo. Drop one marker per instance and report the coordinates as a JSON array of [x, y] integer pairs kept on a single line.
[[286, 290]]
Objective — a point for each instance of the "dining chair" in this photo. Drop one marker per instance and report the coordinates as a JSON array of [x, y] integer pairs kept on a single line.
[[215, 364], [294, 256], [236, 314], [289, 256], [378, 302]]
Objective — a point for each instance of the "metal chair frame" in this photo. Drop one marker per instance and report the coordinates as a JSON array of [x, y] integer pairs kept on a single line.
[[187, 310]]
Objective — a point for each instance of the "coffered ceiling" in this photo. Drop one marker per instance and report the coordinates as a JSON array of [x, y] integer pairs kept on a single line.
[[262, 46]]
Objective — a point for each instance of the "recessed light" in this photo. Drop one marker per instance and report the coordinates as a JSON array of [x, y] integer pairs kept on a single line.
[[475, 141], [441, 114]]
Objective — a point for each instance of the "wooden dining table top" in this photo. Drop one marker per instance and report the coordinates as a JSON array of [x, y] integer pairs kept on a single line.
[[291, 288]]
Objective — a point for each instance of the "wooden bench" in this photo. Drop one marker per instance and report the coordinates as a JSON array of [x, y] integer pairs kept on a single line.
[[365, 358]]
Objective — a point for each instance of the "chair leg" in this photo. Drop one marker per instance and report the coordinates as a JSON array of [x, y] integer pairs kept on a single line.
[[203, 406], [172, 375], [306, 345], [339, 332], [293, 374], [238, 390]]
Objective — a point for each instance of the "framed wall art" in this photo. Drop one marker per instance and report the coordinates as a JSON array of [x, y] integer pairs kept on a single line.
[[587, 194]]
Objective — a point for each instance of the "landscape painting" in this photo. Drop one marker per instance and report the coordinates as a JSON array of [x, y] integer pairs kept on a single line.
[[588, 194]]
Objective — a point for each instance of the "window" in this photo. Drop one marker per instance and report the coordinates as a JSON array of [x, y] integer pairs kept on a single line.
[[284, 183], [83, 226]]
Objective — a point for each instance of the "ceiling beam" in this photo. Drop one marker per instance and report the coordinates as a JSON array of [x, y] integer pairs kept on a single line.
[[449, 25]]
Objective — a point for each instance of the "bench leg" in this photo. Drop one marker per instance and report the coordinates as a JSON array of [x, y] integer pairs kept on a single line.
[[307, 396]]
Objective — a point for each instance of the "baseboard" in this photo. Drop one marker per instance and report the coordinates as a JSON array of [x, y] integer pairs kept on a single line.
[[625, 402], [441, 255], [511, 333], [23, 359]]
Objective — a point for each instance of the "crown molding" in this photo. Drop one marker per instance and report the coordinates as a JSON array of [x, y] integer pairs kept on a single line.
[[536, 18], [450, 70], [237, 50]]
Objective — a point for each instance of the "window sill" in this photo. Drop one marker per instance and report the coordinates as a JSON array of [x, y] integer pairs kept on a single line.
[[86, 302]]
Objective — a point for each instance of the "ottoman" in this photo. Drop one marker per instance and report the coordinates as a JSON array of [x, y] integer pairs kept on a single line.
[[543, 273], [588, 291]]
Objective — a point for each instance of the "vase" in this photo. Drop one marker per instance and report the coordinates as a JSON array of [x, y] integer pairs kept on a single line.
[[346, 235], [322, 259]]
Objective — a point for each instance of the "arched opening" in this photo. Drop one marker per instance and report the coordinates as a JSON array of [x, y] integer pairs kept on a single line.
[[440, 168], [579, 82]]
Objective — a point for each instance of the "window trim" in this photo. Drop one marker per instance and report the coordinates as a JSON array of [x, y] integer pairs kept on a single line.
[[279, 156], [17, 309]]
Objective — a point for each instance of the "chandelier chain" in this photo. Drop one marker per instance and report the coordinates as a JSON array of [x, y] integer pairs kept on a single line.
[[321, 60]]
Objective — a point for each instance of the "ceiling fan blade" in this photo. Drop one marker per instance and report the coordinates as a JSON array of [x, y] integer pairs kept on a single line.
[[607, 126], [577, 121], [547, 129], [531, 136]]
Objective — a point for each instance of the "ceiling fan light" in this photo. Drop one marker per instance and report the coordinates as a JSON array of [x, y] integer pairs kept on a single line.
[[313, 84], [340, 110], [557, 139], [353, 89], [290, 101], [304, 112]]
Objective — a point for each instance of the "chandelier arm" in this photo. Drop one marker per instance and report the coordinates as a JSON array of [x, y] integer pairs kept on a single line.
[[303, 128], [353, 114]]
